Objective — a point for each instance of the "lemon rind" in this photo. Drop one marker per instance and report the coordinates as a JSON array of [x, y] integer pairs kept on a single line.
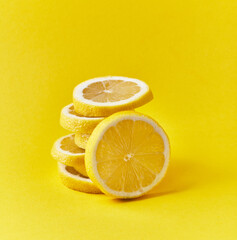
[[90, 108], [76, 182], [81, 140], [75, 160], [90, 156], [75, 123]]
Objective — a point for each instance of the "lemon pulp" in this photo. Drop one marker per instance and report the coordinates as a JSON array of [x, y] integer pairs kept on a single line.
[[110, 90], [130, 155]]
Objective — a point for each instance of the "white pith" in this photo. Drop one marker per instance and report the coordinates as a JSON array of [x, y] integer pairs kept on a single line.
[[159, 176], [62, 169], [78, 91], [58, 146]]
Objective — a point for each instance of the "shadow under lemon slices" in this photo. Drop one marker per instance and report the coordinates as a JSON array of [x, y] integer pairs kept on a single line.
[[181, 176]]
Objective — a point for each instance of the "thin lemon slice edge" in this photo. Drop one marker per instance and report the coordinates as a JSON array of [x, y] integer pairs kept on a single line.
[[106, 95], [74, 180], [65, 150], [75, 122], [81, 139]]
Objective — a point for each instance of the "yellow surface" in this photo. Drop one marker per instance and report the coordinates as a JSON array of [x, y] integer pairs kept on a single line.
[[185, 50]]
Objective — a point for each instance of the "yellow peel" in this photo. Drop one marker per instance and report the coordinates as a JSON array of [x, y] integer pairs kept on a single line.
[[107, 95], [74, 180], [81, 139], [127, 154], [67, 152], [74, 122]]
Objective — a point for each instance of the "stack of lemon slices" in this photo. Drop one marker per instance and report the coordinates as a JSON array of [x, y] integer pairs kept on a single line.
[[112, 149]]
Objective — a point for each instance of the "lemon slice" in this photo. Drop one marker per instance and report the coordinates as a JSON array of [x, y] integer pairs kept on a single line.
[[74, 180], [106, 95], [127, 154], [67, 152], [74, 122], [81, 139]]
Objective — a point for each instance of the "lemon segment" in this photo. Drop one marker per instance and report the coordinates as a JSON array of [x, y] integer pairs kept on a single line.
[[75, 122], [74, 180], [107, 95], [127, 154], [81, 139], [67, 152]]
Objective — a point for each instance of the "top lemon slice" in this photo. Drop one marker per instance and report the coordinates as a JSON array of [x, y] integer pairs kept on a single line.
[[106, 95], [127, 154]]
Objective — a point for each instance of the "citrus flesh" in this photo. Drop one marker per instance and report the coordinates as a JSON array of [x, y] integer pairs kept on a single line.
[[106, 95], [67, 152], [127, 154], [110, 91]]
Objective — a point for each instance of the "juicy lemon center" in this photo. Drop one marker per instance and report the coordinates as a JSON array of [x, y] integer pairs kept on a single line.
[[110, 90], [107, 91], [128, 157]]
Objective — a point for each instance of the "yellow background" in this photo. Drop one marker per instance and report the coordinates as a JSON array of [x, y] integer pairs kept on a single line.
[[185, 50]]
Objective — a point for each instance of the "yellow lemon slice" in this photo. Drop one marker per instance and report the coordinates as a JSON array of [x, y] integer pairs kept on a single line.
[[75, 122], [106, 95], [74, 180], [67, 152], [81, 139], [127, 154]]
